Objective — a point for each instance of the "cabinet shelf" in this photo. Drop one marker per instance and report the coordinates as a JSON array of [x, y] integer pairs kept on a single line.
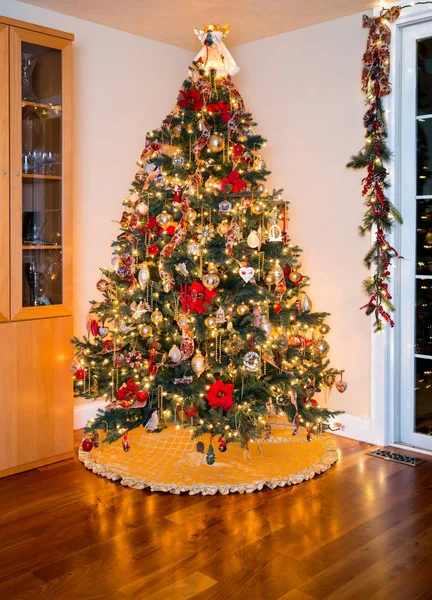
[[42, 247], [34, 176], [56, 107]]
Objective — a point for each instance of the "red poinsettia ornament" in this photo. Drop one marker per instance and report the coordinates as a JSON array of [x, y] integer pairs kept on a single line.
[[220, 394], [199, 298], [190, 98], [233, 181], [221, 109]]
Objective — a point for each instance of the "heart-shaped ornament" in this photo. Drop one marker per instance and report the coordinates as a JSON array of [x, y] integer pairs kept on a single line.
[[246, 273], [341, 386], [103, 331]]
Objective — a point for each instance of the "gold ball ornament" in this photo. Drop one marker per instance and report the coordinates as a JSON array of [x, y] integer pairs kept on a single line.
[[261, 189], [166, 286], [142, 209], [164, 219], [277, 271], [211, 279], [294, 276], [257, 208], [223, 228], [145, 330], [242, 309], [156, 317], [270, 279], [429, 237], [191, 215], [200, 125], [198, 363], [324, 328], [210, 322], [216, 142], [212, 185], [102, 285], [321, 346]]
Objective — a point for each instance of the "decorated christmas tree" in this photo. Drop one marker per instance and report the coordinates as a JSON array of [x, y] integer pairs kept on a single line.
[[204, 320]]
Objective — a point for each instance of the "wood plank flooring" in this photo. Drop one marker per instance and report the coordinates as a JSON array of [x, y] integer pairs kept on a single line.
[[362, 530]]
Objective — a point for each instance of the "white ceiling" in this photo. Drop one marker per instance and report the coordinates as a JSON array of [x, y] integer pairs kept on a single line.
[[173, 21]]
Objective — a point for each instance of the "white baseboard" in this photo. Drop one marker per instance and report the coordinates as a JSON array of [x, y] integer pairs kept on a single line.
[[85, 412], [357, 428]]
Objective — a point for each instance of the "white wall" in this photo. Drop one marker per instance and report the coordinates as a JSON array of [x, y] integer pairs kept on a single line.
[[303, 88]]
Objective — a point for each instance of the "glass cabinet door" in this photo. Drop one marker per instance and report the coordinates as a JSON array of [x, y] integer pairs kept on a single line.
[[39, 105], [4, 173]]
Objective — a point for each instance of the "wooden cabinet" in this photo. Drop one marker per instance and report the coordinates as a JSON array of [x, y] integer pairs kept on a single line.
[[36, 401]]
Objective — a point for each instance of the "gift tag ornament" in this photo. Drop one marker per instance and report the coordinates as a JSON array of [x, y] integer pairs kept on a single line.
[[220, 316], [103, 331], [246, 273], [275, 234]]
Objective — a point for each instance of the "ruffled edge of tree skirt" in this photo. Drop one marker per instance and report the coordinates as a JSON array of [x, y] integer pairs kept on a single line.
[[327, 460]]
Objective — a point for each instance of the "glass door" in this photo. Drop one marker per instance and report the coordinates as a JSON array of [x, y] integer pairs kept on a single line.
[[416, 236], [40, 99], [4, 173]]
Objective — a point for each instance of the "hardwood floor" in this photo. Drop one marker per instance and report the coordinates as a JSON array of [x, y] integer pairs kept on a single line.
[[362, 530]]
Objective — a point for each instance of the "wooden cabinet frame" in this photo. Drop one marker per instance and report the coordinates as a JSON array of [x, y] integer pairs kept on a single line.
[[4, 176], [18, 312]]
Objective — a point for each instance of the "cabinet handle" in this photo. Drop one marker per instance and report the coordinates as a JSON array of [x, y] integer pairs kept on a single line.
[[4, 172], [17, 174]]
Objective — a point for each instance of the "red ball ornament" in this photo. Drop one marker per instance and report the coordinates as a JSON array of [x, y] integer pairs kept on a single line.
[[153, 250], [80, 374], [237, 150], [141, 396], [155, 146], [87, 445]]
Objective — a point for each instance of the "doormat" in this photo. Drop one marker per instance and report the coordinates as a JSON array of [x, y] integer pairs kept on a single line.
[[411, 461]]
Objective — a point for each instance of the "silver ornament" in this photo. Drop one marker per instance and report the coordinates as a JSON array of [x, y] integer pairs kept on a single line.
[[150, 167], [144, 276], [251, 361], [178, 161]]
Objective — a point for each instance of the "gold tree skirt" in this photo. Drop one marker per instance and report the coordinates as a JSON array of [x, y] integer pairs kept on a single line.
[[169, 462]]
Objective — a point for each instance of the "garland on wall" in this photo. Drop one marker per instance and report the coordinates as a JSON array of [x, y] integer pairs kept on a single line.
[[381, 214]]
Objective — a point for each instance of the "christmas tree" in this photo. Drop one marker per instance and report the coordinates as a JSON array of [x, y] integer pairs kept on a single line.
[[204, 320]]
